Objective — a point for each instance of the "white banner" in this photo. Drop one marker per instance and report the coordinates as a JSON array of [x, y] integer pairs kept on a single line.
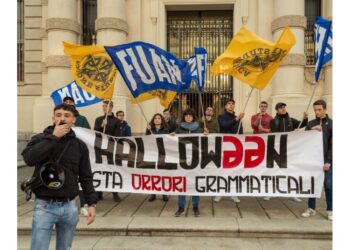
[[278, 164]]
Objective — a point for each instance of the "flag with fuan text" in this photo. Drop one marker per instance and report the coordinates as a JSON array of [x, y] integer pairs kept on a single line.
[[92, 69], [252, 59], [146, 67], [323, 44]]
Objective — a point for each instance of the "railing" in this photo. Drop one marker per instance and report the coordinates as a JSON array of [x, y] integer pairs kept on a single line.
[[89, 17], [212, 30]]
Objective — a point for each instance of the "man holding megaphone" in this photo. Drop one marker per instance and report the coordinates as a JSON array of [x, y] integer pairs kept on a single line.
[[61, 161]]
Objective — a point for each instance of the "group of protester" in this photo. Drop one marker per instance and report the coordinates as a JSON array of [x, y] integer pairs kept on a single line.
[[53, 142]]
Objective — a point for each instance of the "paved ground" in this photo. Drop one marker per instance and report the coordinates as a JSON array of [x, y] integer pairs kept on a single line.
[[252, 224]]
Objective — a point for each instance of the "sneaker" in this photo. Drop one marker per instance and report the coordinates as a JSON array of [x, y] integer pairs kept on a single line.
[[116, 197], [330, 215], [217, 199], [165, 198], [308, 212], [267, 198], [84, 211], [179, 212], [235, 199], [196, 212], [296, 199], [152, 197]]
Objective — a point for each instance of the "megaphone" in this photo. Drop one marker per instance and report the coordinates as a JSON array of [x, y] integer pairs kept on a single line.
[[52, 175]]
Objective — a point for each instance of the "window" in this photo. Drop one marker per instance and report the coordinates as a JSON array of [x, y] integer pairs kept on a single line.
[[212, 30], [89, 17], [312, 10], [20, 41]]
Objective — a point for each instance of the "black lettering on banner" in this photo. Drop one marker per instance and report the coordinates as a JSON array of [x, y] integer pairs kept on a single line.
[[99, 151], [97, 183], [223, 186], [199, 189], [140, 162], [107, 174], [301, 186], [211, 182], [161, 157], [296, 185], [272, 155], [117, 180], [254, 179], [120, 156], [211, 156], [266, 178], [278, 177], [194, 141]]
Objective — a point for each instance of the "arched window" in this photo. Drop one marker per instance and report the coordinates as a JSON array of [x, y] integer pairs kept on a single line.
[[89, 17], [312, 10]]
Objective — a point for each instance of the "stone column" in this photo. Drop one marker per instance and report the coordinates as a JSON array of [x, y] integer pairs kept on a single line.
[[265, 18], [249, 18], [288, 83], [61, 25], [328, 68], [112, 29]]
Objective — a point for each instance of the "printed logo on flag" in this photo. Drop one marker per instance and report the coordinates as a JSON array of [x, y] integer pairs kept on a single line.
[[95, 70], [258, 60]]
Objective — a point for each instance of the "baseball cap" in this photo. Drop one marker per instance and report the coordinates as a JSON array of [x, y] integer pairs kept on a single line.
[[280, 104]]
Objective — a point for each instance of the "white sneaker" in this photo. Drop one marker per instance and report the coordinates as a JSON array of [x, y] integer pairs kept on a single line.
[[235, 199], [267, 198], [296, 199], [330, 215], [308, 212], [84, 211], [217, 199]]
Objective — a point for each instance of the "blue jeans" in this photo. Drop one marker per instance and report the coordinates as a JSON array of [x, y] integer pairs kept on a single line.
[[328, 189], [65, 217], [182, 201]]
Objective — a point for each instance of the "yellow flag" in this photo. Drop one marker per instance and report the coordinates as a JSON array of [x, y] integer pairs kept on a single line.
[[165, 96], [252, 59], [92, 69]]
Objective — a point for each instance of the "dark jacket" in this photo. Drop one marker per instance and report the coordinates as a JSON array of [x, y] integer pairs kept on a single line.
[[163, 130], [189, 128], [228, 123], [285, 123], [81, 120], [112, 127], [171, 125], [124, 128], [46, 147], [327, 132]]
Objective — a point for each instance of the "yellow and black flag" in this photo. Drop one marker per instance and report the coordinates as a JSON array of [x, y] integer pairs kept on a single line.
[[252, 59], [165, 96], [92, 69]]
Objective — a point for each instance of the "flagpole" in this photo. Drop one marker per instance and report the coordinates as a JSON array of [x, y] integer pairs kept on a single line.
[[108, 105], [143, 114], [308, 106], [245, 106], [201, 103]]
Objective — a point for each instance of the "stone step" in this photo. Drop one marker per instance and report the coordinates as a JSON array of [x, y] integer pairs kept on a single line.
[[199, 227], [172, 243]]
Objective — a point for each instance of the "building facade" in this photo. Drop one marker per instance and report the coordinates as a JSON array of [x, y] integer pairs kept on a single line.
[[176, 26]]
